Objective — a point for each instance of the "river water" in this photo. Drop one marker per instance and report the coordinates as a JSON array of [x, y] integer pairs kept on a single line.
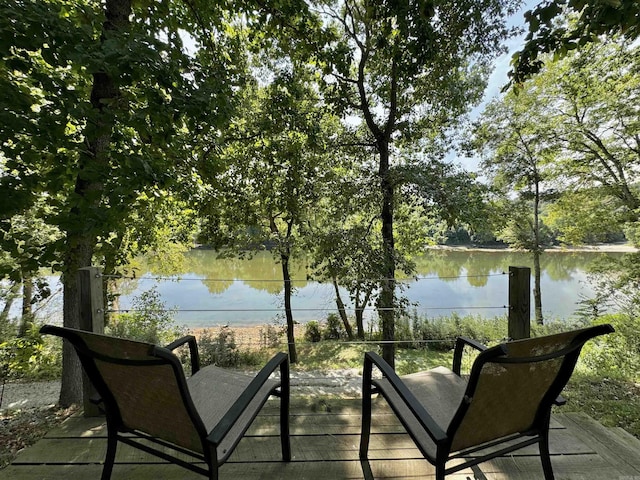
[[209, 291]]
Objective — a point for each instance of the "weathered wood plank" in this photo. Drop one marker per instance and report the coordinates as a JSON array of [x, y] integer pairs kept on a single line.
[[566, 467], [605, 442], [325, 445], [628, 439], [267, 448], [266, 424]]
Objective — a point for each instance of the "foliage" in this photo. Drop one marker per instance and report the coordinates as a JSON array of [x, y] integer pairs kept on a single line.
[[148, 321], [440, 333], [281, 133], [562, 26], [312, 332], [99, 100], [333, 329], [220, 350], [406, 72], [271, 335], [593, 134], [31, 357], [616, 355], [594, 127], [615, 282], [610, 401], [585, 217]]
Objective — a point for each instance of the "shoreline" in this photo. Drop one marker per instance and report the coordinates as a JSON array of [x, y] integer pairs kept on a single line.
[[602, 247], [253, 336]]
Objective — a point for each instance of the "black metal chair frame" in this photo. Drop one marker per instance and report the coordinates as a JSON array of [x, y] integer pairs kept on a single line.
[[117, 431], [537, 433]]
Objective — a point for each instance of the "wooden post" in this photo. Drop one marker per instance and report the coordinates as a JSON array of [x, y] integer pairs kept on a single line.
[[91, 320], [519, 303]]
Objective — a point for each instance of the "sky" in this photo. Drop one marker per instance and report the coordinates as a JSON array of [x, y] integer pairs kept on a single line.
[[499, 77]]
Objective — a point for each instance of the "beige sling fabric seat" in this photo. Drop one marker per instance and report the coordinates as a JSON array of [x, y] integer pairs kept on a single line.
[[504, 405], [145, 395]]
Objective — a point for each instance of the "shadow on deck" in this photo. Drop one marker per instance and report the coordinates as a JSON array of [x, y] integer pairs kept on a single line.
[[325, 440]]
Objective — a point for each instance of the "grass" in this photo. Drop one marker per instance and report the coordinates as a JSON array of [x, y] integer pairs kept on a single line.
[[612, 402]]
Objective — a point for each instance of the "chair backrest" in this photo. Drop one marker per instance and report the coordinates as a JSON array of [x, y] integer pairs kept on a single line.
[[512, 386], [142, 385]]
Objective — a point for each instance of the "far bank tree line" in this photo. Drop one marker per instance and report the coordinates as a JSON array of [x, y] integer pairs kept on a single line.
[[129, 127]]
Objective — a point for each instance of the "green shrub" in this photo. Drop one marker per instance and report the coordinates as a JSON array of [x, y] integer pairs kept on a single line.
[[148, 321], [271, 335], [31, 357], [220, 350], [312, 332], [404, 333], [440, 333], [333, 328], [8, 330], [616, 355]]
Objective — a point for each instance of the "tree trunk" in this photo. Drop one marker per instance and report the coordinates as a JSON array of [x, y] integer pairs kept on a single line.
[[93, 166], [293, 356], [76, 257], [27, 303], [386, 300], [537, 292], [12, 294], [342, 311], [360, 306]]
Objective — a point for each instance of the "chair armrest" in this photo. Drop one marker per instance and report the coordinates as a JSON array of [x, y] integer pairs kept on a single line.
[[461, 342], [193, 350], [280, 360], [437, 434]]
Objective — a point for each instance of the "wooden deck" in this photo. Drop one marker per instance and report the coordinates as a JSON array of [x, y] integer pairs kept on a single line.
[[325, 440]]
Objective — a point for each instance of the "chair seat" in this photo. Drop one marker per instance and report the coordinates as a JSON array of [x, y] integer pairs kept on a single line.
[[214, 390], [440, 390]]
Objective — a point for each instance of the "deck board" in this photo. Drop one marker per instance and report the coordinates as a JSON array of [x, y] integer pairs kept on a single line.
[[325, 441]]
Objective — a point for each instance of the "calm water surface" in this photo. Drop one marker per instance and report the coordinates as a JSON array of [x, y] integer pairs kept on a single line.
[[211, 291]]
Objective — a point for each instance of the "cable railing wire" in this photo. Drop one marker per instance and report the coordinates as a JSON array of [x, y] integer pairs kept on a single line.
[[377, 309], [294, 310], [179, 278]]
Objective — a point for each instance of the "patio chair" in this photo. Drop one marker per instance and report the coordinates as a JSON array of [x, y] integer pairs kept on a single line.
[[504, 405], [148, 401]]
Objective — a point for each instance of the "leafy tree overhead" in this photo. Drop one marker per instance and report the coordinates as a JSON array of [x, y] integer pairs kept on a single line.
[[592, 123], [590, 97], [513, 136], [406, 71], [98, 100], [561, 26], [277, 168]]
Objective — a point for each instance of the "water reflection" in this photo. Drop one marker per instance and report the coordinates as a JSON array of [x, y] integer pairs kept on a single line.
[[239, 291]]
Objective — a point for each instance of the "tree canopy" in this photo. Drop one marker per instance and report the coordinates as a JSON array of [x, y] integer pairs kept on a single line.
[[560, 26]]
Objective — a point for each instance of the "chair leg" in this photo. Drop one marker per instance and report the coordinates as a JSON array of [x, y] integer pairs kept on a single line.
[[544, 455], [285, 439], [365, 432], [213, 472], [112, 445]]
